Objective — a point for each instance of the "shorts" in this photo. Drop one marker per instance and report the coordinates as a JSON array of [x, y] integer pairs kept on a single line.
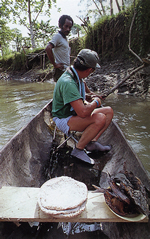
[[62, 124]]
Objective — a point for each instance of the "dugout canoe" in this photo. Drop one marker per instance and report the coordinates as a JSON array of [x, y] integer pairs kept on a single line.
[[29, 159], [24, 159]]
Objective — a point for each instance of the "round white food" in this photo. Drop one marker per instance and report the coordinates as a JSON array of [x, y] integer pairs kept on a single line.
[[63, 195], [66, 213]]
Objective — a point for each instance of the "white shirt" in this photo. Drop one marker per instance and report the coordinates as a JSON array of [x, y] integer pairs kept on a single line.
[[61, 50]]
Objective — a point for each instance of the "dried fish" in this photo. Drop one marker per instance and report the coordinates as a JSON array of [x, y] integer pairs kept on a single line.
[[126, 194]]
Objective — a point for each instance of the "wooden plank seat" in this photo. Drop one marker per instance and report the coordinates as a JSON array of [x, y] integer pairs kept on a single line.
[[20, 204]]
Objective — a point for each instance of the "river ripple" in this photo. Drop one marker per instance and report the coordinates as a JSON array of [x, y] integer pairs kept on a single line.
[[21, 101]]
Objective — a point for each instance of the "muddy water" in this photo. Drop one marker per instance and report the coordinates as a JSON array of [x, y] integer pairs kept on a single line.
[[21, 101], [133, 117]]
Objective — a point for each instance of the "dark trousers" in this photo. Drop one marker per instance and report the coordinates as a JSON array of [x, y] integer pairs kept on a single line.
[[57, 74]]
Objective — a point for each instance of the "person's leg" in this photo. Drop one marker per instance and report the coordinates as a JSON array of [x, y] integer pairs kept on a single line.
[[94, 145], [90, 126], [57, 74], [108, 112], [62, 124]]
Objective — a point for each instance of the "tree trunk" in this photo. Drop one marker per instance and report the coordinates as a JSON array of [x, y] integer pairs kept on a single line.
[[119, 9], [123, 5], [97, 8], [31, 26], [111, 7], [102, 7]]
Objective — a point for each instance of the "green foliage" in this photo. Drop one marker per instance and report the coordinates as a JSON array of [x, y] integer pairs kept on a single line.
[[19, 60], [102, 21], [7, 60], [43, 32], [76, 45], [76, 29], [4, 11], [26, 12], [16, 61], [109, 36], [5, 36], [142, 27]]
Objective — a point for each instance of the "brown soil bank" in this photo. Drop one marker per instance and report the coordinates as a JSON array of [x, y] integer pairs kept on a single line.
[[102, 80], [113, 72]]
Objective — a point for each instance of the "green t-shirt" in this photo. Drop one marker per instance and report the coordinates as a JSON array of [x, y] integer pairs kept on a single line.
[[66, 91]]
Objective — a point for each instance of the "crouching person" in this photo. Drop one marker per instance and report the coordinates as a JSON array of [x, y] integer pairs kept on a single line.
[[71, 113]]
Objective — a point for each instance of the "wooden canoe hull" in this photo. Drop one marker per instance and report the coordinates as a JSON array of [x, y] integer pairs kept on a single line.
[[24, 159]]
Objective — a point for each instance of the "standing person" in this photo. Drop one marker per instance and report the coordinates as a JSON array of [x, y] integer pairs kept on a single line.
[[69, 111], [58, 50]]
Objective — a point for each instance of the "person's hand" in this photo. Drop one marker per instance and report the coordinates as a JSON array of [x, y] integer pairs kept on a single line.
[[59, 65], [103, 97], [98, 100], [88, 97]]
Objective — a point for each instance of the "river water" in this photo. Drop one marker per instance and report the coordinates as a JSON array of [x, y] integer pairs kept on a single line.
[[21, 101]]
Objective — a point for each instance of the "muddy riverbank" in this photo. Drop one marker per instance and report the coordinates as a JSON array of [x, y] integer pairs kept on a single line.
[[102, 80]]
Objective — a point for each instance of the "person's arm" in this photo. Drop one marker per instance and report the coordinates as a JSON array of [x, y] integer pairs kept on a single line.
[[83, 110], [51, 56], [90, 95]]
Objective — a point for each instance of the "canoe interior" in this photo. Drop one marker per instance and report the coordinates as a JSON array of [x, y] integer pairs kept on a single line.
[[25, 158]]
